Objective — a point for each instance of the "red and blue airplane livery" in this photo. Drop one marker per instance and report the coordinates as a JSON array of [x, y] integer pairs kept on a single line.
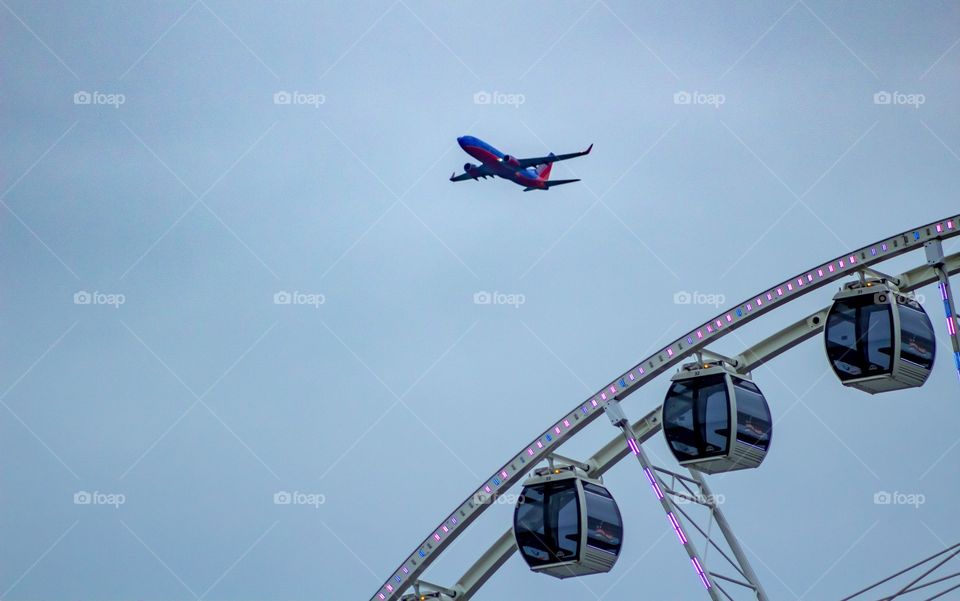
[[532, 173]]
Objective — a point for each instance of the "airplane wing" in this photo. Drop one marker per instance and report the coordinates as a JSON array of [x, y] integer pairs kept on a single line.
[[480, 171], [553, 158]]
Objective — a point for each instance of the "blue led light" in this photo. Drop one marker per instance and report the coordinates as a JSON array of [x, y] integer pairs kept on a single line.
[[422, 553], [623, 384], [397, 578], [496, 481], [739, 312], [548, 437], [916, 235]]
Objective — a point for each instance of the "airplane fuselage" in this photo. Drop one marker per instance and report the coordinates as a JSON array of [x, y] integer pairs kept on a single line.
[[498, 163]]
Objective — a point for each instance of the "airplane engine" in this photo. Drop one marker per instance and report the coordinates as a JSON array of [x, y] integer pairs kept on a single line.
[[510, 160], [471, 170]]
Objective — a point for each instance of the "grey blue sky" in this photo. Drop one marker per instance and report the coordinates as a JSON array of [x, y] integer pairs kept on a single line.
[[148, 170]]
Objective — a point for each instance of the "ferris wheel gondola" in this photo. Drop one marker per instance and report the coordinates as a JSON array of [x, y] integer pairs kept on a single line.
[[567, 524], [702, 404], [877, 339]]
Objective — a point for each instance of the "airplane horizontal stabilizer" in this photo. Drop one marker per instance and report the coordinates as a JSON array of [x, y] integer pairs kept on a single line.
[[559, 182], [556, 182]]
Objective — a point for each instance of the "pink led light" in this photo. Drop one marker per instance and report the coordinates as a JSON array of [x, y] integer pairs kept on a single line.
[[436, 536], [939, 228], [729, 318], [852, 259], [780, 291], [820, 273], [649, 475], [390, 587], [613, 390], [769, 297], [593, 402], [799, 281], [809, 277], [486, 488], [539, 445], [749, 307], [603, 395], [530, 451], [842, 265], [632, 377], [503, 474], [789, 286], [566, 424], [830, 267], [444, 528], [676, 527], [700, 572], [381, 595], [699, 334], [950, 224], [556, 430], [759, 301], [951, 327], [669, 352], [641, 371], [709, 328]]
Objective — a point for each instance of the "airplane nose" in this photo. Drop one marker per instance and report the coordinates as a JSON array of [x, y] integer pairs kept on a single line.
[[461, 140]]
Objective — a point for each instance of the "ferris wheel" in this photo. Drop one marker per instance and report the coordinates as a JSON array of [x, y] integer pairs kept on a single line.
[[714, 418]]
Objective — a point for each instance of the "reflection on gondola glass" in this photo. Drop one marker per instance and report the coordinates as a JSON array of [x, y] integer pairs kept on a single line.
[[918, 336], [753, 415], [604, 529], [697, 421], [548, 524], [859, 338]]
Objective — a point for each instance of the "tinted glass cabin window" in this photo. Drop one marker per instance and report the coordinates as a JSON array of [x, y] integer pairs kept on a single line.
[[917, 340], [547, 523], [697, 417], [859, 337], [604, 525], [754, 421]]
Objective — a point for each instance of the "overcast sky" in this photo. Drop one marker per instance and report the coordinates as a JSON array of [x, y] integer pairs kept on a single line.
[[233, 268]]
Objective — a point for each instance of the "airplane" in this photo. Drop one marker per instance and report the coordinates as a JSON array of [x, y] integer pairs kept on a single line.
[[532, 173]]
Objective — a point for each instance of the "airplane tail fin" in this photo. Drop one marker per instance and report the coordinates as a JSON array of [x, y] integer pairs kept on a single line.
[[543, 171]]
